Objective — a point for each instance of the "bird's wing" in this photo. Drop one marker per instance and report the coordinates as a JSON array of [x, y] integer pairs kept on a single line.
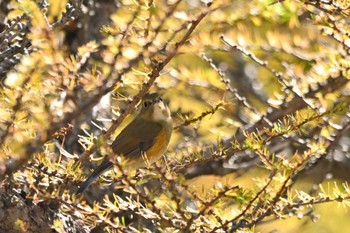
[[136, 138]]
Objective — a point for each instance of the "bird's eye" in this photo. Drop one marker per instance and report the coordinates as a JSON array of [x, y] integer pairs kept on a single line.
[[146, 104], [160, 99]]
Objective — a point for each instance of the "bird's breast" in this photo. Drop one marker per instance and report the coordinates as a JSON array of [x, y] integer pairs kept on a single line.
[[159, 147]]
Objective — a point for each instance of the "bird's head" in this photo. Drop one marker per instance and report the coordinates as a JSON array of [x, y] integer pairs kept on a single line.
[[153, 108]]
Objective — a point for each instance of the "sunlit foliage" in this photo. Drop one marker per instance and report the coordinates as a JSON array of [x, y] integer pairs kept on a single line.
[[259, 96]]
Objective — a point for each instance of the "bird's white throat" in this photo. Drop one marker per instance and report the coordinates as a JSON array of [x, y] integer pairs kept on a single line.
[[161, 112]]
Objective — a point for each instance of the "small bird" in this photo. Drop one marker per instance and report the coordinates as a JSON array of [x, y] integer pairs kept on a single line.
[[141, 142]]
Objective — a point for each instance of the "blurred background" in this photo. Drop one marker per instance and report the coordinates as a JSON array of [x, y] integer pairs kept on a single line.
[[254, 87]]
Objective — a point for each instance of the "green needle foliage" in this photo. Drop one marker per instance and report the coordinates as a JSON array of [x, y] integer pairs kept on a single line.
[[259, 95]]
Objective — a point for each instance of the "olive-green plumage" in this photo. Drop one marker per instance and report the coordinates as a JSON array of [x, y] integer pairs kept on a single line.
[[143, 141]]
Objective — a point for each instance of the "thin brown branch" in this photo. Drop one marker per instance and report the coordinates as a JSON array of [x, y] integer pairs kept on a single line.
[[153, 75]]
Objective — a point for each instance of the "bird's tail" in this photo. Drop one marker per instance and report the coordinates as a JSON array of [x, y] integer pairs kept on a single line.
[[106, 164]]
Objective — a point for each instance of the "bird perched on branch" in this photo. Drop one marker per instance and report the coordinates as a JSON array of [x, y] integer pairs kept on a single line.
[[142, 141]]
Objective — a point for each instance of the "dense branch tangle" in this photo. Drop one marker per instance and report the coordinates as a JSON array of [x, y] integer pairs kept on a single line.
[[111, 81], [174, 205]]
